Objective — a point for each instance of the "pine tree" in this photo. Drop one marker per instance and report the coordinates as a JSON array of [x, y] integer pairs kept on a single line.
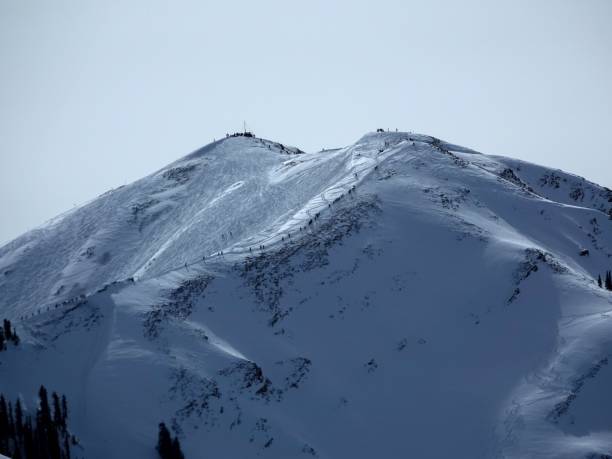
[[57, 411], [608, 282], [599, 280], [164, 442], [53, 441], [43, 421], [176, 449], [18, 420], [4, 427], [2, 345], [11, 422], [7, 330], [48, 439], [64, 412], [29, 446], [66, 447], [44, 412]]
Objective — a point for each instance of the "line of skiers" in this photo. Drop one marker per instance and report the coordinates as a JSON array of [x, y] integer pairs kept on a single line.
[[310, 222]]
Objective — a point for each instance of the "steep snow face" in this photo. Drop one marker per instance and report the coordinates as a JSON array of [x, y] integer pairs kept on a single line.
[[555, 185], [235, 191], [361, 302]]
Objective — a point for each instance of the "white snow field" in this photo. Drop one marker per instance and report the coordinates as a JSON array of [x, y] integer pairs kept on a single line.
[[398, 298]]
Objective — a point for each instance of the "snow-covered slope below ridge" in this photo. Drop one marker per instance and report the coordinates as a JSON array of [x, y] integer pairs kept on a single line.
[[412, 298]]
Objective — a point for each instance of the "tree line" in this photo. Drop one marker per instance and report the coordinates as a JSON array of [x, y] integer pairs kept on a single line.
[[42, 436], [8, 334], [607, 283], [168, 447]]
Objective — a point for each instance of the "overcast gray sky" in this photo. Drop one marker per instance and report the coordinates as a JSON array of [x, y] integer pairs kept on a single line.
[[95, 94]]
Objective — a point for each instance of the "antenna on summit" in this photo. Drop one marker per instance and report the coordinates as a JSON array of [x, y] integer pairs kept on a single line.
[[244, 133]]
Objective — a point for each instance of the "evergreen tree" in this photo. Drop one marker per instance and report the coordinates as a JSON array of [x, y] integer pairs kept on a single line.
[[44, 412], [2, 345], [29, 447], [4, 427], [64, 412], [18, 420], [11, 422], [168, 447], [46, 431], [7, 330], [608, 282], [66, 447], [40, 441], [164, 442], [176, 449], [57, 411], [46, 438], [53, 442], [599, 280]]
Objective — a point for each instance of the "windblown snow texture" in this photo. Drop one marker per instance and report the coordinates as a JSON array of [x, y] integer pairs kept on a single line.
[[401, 297]]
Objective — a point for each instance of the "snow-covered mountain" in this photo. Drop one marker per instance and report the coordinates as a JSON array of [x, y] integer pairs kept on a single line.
[[400, 297]]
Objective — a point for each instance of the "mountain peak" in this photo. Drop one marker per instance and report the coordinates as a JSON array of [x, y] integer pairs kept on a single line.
[[438, 280]]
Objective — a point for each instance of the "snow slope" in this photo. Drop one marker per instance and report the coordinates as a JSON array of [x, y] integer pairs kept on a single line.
[[400, 297]]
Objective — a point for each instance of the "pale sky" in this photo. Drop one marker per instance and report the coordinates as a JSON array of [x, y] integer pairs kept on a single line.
[[96, 94]]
